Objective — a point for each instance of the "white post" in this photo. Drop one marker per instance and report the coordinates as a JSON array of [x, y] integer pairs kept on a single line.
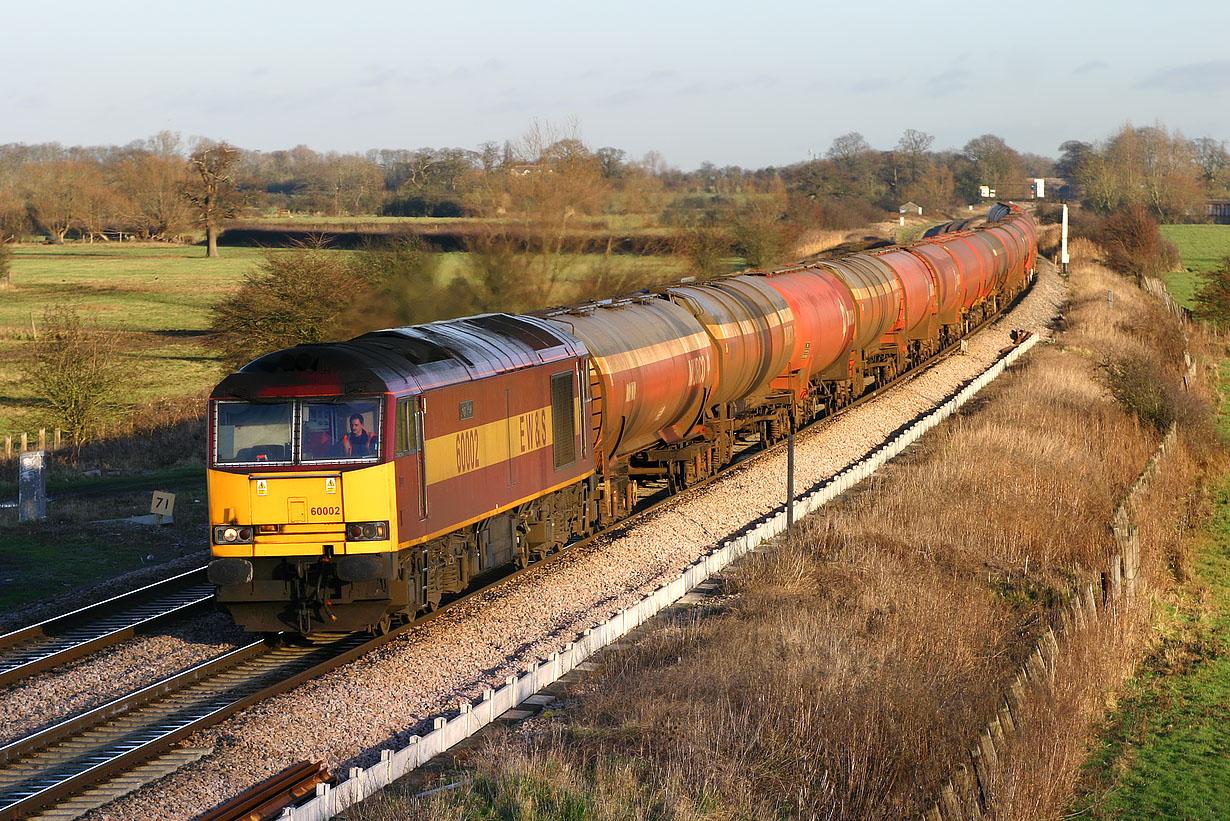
[[1063, 242]]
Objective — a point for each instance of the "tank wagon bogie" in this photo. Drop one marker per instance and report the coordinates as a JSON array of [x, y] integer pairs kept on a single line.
[[358, 482]]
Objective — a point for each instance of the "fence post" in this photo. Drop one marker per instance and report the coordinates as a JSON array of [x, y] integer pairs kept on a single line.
[[8, 447], [56, 438], [42, 439], [25, 442]]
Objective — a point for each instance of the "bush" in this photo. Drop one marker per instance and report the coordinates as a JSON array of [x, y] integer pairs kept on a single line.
[[292, 297], [1133, 245], [835, 213], [1144, 389], [6, 263], [1213, 298], [77, 372], [705, 246]]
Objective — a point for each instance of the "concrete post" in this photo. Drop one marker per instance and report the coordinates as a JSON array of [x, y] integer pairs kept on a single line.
[[32, 486]]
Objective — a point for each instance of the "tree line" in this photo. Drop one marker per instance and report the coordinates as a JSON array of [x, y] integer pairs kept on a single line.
[[164, 188]]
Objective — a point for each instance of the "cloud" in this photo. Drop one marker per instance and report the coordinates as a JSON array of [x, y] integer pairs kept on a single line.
[[662, 74], [620, 98], [1209, 77], [377, 79], [869, 86], [947, 82], [1094, 65]]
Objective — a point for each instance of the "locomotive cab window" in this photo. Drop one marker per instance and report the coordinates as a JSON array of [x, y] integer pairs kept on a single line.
[[252, 434], [407, 427], [563, 419], [340, 431]]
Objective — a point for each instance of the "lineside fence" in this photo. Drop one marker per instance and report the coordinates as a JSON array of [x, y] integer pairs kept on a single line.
[[20, 443], [470, 717], [966, 794]]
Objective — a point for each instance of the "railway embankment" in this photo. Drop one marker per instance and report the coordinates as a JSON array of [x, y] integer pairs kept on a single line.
[[864, 661]]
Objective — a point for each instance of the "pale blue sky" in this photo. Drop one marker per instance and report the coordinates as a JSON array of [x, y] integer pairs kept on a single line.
[[750, 84]]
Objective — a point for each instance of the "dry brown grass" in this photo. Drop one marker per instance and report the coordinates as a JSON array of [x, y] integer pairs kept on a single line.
[[861, 658], [816, 241]]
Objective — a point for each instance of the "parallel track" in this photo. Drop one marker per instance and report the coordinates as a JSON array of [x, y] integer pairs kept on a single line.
[[64, 638], [51, 765]]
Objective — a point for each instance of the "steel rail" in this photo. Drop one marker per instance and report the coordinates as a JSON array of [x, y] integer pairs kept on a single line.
[[263, 800], [78, 633]]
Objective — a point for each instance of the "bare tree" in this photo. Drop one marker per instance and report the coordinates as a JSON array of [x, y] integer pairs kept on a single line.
[[1213, 162], [521, 260], [213, 190], [153, 175], [55, 192], [77, 372], [996, 163], [848, 149]]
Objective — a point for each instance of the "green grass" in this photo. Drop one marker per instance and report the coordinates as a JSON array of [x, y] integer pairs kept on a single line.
[[1201, 247], [156, 297], [1166, 752], [33, 565]]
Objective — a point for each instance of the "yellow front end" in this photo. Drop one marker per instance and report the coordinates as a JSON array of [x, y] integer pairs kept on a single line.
[[305, 512], [308, 550]]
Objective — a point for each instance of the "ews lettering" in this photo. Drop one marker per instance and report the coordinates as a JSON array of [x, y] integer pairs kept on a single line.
[[532, 427]]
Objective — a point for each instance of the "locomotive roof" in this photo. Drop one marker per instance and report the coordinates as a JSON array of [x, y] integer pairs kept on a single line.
[[418, 356]]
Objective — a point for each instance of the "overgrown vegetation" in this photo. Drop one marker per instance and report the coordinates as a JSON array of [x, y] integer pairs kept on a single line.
[[78, 372], [1132, 244], [859, 659], [1213, 298], [307, 295]]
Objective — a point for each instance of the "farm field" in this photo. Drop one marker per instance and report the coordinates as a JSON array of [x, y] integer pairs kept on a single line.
[[155, 297], [1201, 247]]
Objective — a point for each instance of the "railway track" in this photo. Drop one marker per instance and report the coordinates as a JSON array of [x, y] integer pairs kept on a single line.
[[47, 767], [57, 641]]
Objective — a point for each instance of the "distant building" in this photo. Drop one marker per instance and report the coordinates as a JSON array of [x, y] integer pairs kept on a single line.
[[1218, 211], [910, 208]]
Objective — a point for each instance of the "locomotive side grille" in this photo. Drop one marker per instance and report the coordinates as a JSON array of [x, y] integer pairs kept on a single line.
[[563, 419]]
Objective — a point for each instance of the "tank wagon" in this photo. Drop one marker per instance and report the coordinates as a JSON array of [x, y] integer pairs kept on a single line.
[[356, 483]]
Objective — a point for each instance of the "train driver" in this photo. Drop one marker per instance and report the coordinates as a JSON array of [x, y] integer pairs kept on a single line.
[[358, 442]]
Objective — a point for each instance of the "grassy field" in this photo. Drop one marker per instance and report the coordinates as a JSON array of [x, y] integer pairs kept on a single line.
[[1201, 246], [155, 297], [1164, 754]]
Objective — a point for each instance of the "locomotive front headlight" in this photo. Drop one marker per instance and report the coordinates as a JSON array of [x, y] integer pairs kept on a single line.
[[230, 534], [367, 531]]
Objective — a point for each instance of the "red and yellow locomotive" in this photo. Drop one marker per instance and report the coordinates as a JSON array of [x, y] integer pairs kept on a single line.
[[355, 482]]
